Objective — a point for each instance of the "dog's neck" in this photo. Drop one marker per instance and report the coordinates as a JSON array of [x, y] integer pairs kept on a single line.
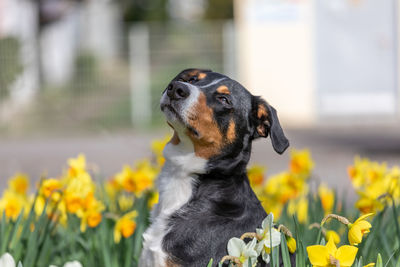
[[179, 173]]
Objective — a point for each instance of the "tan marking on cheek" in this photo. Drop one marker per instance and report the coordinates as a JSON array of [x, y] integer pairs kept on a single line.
[[223, 89], [262, 112], [210, 139], [175, 139], [231, 132], [201, 76]]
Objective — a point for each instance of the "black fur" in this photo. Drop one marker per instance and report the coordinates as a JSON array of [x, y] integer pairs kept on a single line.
[[222, 205]]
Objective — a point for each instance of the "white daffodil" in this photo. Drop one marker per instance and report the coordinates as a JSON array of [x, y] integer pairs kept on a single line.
[[239, 249], [6, 260], [69, 264], [73, 264], [270, 237]]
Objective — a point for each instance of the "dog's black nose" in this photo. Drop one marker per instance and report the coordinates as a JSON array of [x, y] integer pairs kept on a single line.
[[177, 91]]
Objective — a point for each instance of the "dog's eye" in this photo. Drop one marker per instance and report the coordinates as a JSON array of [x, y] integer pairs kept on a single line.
[[224, 100], [193, 79]]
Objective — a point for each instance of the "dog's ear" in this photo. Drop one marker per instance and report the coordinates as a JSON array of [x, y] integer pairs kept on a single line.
[[265, 120]]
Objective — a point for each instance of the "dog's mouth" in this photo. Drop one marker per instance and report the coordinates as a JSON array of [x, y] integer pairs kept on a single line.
[[173, 116]]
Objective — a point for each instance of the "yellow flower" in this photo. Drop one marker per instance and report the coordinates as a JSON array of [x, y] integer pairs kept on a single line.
[[330, 234], [301, 162], [19, 183], [369, 264], [94, 218], [12, 204], [256, 175], [153, 200], [125, 226], [291, 243], [90, 212], [300, 208], [157, 147], [327, 197], [137, 180], [49, 186], [358, 229], [77, 165], [125, 202], [329, 255]]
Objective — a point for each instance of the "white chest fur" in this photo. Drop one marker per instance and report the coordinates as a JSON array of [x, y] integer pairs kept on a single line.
[[175, 187]]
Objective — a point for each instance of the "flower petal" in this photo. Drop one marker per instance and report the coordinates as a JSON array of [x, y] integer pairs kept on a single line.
[[346, 255], [364, 225], [7, 260], [276, 237], [364, 217], [355, 235], [235, 246], [268, 221], [318, 255], [331, 247]]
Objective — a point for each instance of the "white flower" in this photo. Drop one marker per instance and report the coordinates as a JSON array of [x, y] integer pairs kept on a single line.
[[239, 249], [73, 264], [6, 260], [69, 264], [270, 237]]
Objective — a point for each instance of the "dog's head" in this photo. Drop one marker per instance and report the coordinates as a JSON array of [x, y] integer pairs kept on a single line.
[[219, 117]]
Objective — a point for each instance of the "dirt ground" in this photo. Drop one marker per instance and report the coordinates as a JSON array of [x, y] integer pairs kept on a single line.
[[333, 150]]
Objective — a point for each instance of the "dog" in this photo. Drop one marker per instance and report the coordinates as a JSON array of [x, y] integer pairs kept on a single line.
[[205, 195]]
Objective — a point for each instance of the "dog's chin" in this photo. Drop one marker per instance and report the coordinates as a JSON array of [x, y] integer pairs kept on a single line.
[[176, 122]]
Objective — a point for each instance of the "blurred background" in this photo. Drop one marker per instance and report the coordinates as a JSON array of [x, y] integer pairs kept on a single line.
[[86, 76]]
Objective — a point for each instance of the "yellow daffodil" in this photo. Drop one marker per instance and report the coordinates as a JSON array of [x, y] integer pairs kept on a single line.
[[77, 165], [301, 162], [153, 200], [327, 197], [291, 244], [48, 186], [125, 202], [137, 180], [359, 228], [330, 255], [125, 226], [300, 208], [157, 147], [12, 204], [19, 183], [256, 175], [370, 264], [330, 234]]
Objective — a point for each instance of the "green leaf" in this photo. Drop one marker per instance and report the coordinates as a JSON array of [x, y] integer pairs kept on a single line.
[[210, 263], [398, 262], [379, 261], [285, 252]]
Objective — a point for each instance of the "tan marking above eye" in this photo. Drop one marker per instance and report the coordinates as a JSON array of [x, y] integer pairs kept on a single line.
[[223, 89], [209, 141], [201, 75], [262, 111], [231, 132]]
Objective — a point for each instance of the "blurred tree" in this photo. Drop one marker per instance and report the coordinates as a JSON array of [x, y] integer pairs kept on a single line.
[[10, 64], [219, 9], [144, 10]]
